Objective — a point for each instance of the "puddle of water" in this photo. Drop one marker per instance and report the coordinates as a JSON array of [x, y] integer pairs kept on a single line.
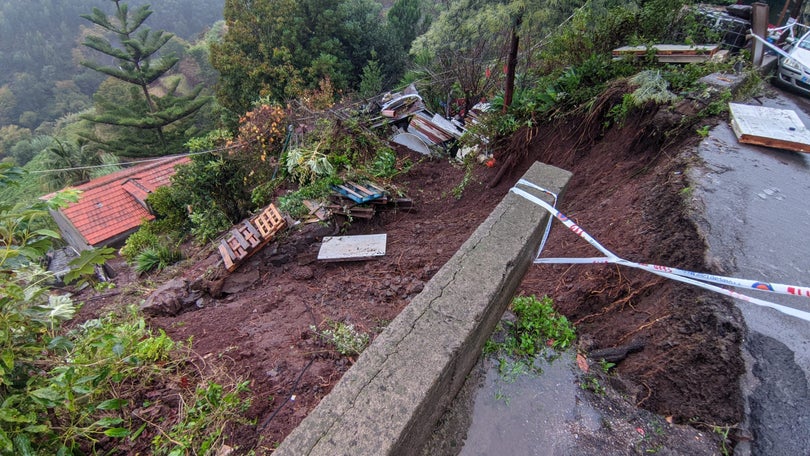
[[530, 414]]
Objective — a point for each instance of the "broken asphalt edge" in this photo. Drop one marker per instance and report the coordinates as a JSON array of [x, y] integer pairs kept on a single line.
[[390, 400]]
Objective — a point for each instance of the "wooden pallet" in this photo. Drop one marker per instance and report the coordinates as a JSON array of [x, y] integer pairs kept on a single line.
[[360, 193], [269, 221], [250, 236]]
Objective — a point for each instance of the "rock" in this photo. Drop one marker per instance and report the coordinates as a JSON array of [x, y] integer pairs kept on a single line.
[[415, 287], [302, 273], [616, 354], [237, 282], [314, 232], [280, 259], [214, 287], [225, 450], [171, 298]]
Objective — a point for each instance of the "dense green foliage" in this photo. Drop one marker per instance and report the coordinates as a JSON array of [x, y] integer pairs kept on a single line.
[[279, 48], [76, 392]]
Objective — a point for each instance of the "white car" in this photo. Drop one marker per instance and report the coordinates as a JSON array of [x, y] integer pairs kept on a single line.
[[794, 72]]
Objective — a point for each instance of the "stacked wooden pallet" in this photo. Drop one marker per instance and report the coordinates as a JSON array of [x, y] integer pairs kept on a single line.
[[250, 236]]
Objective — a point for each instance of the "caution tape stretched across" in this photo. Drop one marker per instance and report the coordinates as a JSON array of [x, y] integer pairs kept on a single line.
[[694, 278]]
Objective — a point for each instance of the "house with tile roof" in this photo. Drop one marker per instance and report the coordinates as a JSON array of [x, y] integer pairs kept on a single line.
[[112, 207]]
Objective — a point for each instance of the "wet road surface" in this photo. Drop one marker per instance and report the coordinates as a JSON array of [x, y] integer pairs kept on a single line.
[[755, 216]]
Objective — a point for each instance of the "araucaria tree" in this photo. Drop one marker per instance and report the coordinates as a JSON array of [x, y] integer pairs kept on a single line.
[[147, 124]]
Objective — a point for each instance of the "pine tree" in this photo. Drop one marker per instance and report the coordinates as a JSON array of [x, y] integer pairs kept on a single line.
[[136, 64]]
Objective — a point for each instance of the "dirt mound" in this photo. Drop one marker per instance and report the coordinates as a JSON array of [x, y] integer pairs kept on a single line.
[[624, 193], [630, 198]]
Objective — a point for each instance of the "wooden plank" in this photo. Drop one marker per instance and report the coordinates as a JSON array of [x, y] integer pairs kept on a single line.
[[244, 240], [269, 222], [227, 256], [312, 206], [697, 58], [240, 239], [769, 127], [238, 252], [362, 189], [374, 188], [352, 248], [357, 193], [252, 230], [668, 49], [350, 191]]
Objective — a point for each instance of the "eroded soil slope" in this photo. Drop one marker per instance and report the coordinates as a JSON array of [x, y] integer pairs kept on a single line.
[[624, 193]]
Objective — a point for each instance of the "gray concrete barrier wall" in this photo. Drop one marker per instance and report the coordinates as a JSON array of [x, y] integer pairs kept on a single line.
[[389, 401]]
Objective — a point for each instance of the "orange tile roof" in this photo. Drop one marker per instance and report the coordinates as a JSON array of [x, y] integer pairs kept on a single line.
[[109, 206]]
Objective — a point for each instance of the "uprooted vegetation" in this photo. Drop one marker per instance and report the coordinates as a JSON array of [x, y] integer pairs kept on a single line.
[[112, 383]]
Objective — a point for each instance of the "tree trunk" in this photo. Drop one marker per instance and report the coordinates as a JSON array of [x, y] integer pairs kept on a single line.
[[152, 109], [511, 65], [797, 10]]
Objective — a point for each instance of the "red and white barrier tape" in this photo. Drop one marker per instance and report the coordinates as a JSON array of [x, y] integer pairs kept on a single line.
[[780, 51], [699, 279]]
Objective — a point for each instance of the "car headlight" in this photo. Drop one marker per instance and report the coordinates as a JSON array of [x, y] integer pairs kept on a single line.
[[791, 64]]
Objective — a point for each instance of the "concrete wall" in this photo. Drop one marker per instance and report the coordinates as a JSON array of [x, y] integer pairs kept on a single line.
[[69, 232], [389, 401]]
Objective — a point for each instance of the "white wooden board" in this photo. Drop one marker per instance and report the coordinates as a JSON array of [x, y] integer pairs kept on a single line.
[[352, 248], [770, 127]]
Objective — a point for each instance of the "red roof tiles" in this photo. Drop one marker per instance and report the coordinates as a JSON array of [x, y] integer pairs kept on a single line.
[[109, 206]]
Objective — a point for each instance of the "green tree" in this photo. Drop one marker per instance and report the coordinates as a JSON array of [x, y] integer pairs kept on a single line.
[[252, 58], [277, 48], [10, 135], [69, 161], [408, 19], [27, 149], [8, 103], [371, 81], [136, 64], [465, 48]]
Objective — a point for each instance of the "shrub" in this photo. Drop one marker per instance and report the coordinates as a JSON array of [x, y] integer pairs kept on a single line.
[[208, 223], [385, 164], [346, 340], [201, 423], [292, 203], [139, 241], [170, 209], [538, 325], [83, 267], [156, 258], [537, 328]]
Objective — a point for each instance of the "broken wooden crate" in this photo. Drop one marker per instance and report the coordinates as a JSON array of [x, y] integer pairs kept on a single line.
[[250, 236], [340, 205]]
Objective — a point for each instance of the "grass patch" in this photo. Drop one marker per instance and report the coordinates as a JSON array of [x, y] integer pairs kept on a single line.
[[537, 330]]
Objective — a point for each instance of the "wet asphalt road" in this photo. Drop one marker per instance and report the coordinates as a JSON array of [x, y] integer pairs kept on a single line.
[[756, 217]]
